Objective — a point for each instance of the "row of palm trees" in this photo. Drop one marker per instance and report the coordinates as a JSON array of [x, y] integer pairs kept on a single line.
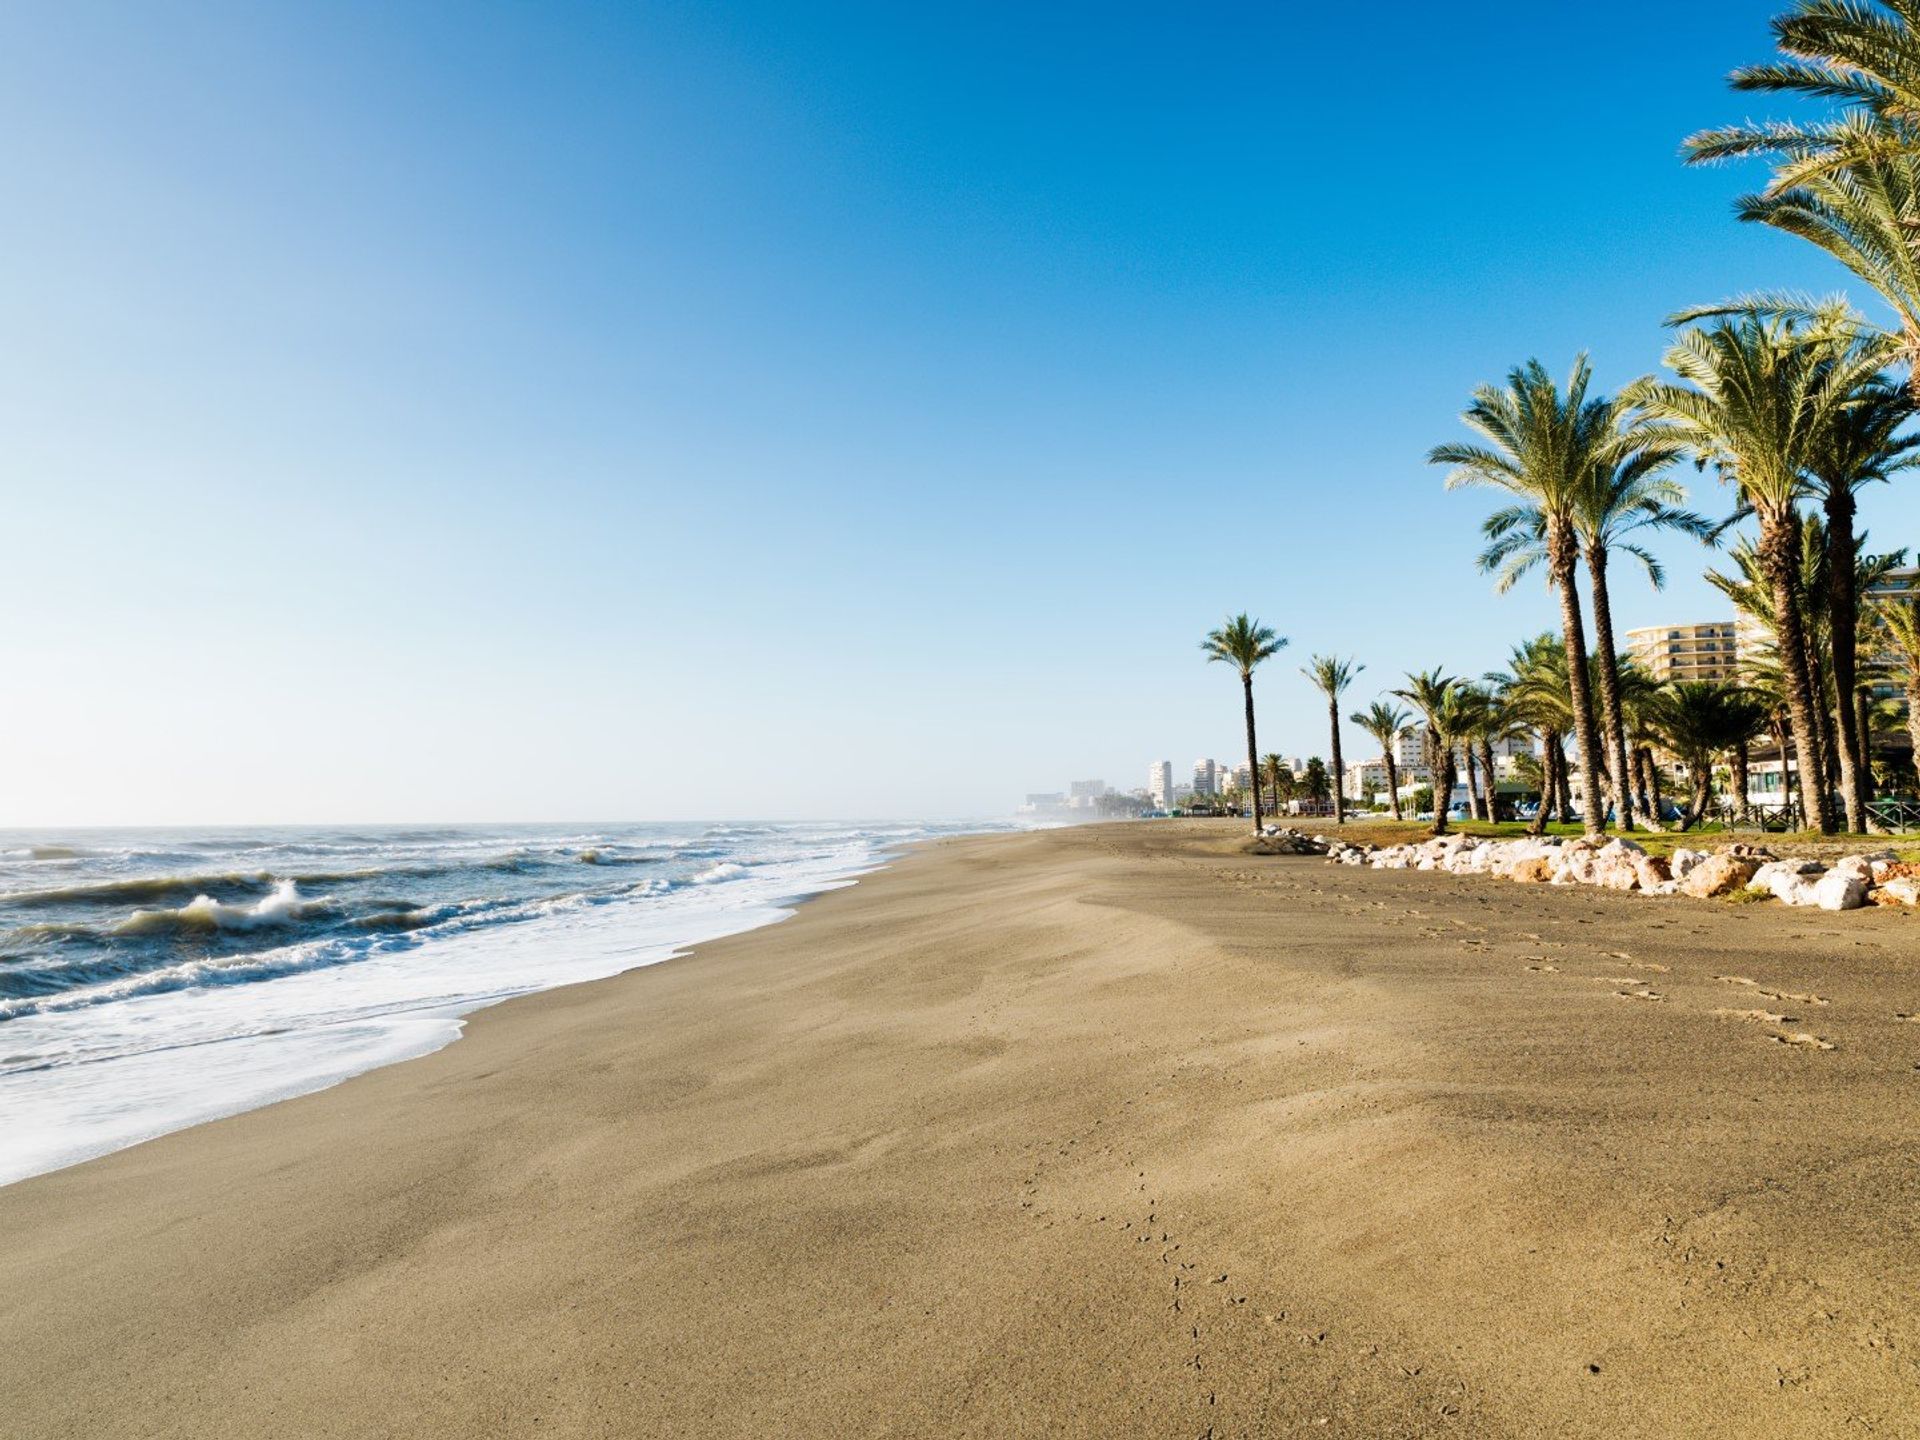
[[1795, 405]]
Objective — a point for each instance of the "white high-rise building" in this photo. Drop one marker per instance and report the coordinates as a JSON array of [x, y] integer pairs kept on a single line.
[[1410, 746], [1160, 784], [1206, 777]]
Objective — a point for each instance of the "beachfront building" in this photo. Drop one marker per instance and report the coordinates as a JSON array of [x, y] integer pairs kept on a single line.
[[1085, 794], [1206, 778], [1160, 784], [1364, 776], [1707, 650], [1410, 748]]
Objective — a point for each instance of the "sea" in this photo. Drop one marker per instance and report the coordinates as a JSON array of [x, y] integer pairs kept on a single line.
[[154, 979]]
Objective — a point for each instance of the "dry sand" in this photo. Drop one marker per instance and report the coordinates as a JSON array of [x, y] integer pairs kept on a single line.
[[1101, 1132]]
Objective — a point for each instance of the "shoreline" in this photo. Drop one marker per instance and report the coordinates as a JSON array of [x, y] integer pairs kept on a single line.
[[55, 1114], [1106, 1129]]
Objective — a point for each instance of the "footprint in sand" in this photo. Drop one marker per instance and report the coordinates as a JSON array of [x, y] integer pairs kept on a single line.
[[1903, 1015], [1642, 994], [1757, 1017], [1545, 969], [1805, 1041], [1652, 965], [1787, 995], [1618, 979]]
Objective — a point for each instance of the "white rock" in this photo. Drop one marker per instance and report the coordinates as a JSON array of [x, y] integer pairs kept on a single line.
[[1840, 890]]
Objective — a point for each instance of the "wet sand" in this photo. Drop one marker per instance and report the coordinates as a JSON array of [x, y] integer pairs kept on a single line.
[[1111, 1131]]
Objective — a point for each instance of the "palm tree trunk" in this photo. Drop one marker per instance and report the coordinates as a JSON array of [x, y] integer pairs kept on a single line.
[[1822, 724], [1610, 684], [1253, 750], [1339, 770], [1649, 779], [1737, 763], [1843, 610], [1562, 553], [1863, 727], [1547, 782], [1473, 784], [1779, 558], [1487, 779], [1393, 781], [1444, 775]]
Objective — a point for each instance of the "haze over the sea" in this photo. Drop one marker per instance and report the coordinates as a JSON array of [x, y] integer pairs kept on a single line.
[[527, 412]]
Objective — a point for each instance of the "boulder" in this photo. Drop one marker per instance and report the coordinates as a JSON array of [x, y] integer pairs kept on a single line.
[[1615, 867], [1840, 889], [1858, 866], [1535, 871], [1685, 860], [1653, 872], [1771, 875], [1797, 889], [1718, 875], [1577, 862], [1897, 890]]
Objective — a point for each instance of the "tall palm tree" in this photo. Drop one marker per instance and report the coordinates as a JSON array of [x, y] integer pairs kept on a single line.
[[1757, 393], [1625, 500], [1243, 643], [1849, 181], [1436, 697], [1330, 676], [1385, 722], [1859, 444], [1863, 56], [1542, 447]]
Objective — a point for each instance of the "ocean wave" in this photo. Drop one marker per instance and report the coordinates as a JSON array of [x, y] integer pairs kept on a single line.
[[231, 970], [725, 870], [284, 905], [152, 887]]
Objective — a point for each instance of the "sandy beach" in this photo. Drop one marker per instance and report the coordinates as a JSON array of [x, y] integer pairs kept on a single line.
[[1105, 1131]]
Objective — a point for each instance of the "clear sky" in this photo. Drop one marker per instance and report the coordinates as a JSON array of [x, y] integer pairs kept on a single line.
[[513, 411]]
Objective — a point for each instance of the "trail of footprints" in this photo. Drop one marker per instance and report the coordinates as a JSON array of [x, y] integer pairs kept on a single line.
[[1778, 1025]]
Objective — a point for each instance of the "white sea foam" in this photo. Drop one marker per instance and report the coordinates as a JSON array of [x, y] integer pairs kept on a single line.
[[170, 1015]]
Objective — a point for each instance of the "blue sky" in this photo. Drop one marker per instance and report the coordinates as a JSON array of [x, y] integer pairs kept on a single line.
[[568, 411]]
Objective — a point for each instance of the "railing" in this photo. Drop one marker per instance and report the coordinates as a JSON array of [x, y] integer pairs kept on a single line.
[[1775, 816]]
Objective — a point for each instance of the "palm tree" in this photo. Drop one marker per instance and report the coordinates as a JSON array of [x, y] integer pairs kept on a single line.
[[1243, 643], [1385, 722], [1272, 767], [1626, 498], [1899, 620], [1536, 693], [1473, 730], [1861, 54], [1331, 676], [1542, 448], [1849, 182], [1436, 697], [1859, 444], [1700, 720], [1758, 393]]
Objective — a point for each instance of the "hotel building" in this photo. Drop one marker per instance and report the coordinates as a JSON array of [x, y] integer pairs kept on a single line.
[[1705, 651]]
